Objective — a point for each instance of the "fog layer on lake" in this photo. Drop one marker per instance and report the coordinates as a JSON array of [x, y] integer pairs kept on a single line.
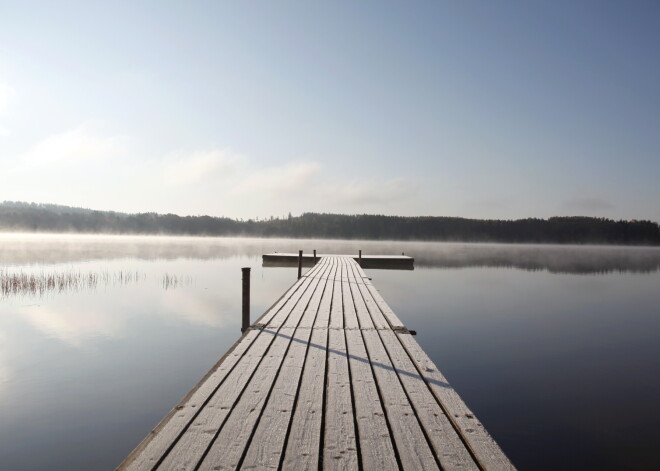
[[20, 249], [555, 348]]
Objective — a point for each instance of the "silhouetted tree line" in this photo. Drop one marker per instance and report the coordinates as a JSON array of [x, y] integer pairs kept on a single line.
[[15, 216]]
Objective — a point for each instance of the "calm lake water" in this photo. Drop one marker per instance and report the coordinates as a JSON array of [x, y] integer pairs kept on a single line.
[[556, 349]]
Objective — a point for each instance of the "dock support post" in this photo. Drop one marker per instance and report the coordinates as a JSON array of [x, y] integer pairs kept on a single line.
[[299, 264], [315, 256], [246, 299], [360, 257]]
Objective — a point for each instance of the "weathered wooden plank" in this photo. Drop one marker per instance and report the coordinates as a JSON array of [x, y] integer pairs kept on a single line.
[[375, 314], [488, 453], [309, 316], [350, 315], [154, 446], [364, 319], [447, 444], [150, 451], [369, 261], [413, 449], [299, 285], [339, 439], [192, 445], [374, 441], [281, 318], [304, 434], [229, 443], [323, 316], [337, 310], [189, 449], [267, 443], [393, 319], [325, 382]]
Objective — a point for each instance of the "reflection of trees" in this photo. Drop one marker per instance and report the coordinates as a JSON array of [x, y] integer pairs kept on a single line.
[[555, 259], [31, 249]]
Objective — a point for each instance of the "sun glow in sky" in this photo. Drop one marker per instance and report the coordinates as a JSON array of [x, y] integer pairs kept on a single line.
[[243, 109]]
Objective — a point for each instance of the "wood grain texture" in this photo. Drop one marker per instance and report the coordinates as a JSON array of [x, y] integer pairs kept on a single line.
[[339, 444], [230, 442], [447, 444], [327, 378], [375, 442], [485, 450], [175, 423], [393, 319], [190, 448], [298, 285], [304, 434], [301, 302], [267, 443], [411, 444], [337, 309]]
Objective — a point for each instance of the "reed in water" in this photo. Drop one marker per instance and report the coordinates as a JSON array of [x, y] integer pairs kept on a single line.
[[33, 284]]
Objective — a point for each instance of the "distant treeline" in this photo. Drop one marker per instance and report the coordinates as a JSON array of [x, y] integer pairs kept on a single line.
[[16, 216]]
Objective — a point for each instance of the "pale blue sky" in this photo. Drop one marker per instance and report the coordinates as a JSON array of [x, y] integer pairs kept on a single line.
[[478, 109]]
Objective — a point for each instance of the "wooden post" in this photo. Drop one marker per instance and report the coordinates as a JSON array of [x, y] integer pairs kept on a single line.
[[314, 256], [299, 264], [360, 257], [246, 299]]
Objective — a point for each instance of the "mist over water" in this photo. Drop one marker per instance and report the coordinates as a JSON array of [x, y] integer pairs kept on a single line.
[[555, 348], [17, 249]]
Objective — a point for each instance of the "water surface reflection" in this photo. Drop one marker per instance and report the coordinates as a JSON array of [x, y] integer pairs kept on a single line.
[[554, 347]]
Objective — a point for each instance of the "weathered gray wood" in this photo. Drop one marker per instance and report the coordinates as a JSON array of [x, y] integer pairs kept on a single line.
[[375, 313], [193, 444], [190, 448], [304, 435], [395, 262], [411, 444], [265, 448], [281, 317], [339, 444], [147, 454], [393, 319], [376, 449], [414, 451], [488, 453], [324, 380], [298, 285], [246, 299], [364, 319], [446, 442], [350, 316], [228, 447], [337, 311], [231, 441], [309, 316], [323, 316], [267, 443], [156, 444]]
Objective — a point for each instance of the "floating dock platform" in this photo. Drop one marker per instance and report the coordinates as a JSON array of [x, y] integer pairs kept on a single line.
[[391, 262], [328, 378]]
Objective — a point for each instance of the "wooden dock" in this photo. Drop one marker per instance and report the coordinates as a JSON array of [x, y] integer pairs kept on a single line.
[[328, 378], [393, 262]]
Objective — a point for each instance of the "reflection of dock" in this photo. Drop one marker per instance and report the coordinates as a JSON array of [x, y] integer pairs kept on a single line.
[[394, 262], [328, 378]]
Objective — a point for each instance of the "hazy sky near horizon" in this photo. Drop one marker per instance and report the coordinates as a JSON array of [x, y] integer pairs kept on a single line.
[[249, 109]]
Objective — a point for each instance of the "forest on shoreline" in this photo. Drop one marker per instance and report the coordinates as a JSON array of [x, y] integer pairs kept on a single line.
[[33, 217]]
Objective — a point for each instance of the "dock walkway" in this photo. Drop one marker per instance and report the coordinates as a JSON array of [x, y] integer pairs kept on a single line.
[[328, 378]]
